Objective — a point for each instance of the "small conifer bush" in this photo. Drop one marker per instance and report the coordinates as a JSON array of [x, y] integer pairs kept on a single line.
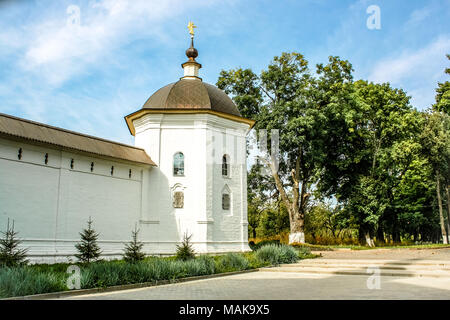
[[88, 249], [11, 255], [185, 250], [133, 250]]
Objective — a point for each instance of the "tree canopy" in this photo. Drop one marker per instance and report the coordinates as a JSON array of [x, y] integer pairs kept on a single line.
[[360, 143]]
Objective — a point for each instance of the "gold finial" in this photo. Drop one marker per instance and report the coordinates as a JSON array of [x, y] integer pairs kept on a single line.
[[191, 27]]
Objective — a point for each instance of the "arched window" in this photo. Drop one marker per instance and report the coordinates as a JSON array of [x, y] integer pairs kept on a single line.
[[226, 198], [225, 165], [178, 164], [225, 201]]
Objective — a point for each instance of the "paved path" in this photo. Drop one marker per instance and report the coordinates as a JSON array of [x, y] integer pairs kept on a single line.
[[293, 283]]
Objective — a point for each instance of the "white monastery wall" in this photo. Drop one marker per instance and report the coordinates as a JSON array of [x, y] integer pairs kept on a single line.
[[51, 203]]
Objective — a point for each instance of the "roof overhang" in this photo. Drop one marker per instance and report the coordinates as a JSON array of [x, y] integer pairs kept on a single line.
[[23, 130], [138, 114]]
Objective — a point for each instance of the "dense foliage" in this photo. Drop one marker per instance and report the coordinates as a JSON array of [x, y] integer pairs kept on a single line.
[[356, 160]]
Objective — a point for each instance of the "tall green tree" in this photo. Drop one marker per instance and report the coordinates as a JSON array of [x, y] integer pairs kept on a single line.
[[443, 105], [261, 194], [436, 147], [287, 98], [361, 169], [443, 94]]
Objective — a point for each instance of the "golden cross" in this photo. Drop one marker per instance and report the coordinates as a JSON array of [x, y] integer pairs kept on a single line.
[[191, 27]]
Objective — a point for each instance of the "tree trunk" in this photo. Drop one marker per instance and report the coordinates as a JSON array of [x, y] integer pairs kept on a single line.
[[361, 235], [297, 234], [395, 232], [448, 211], [380, 234], [441, 214], [369, 240], [296, 206]]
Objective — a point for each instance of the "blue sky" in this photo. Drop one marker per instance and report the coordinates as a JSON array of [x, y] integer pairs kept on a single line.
[[87, 77]]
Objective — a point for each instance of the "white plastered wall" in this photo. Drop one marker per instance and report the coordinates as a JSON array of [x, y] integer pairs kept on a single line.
[[203, 139], [51, 203]]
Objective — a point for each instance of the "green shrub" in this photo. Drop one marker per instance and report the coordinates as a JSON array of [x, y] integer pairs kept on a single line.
[[277, 254], [253, 261], [24, 281], [133, 250], [44, 278], [106, 274], [263, 243], [200, 266], [88, 249], [10, 253], [232, 262], [185, 250], [304, 252]]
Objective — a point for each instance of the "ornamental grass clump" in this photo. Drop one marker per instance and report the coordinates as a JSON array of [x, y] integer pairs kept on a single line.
[[276, 254], [200, 266], [107, 274], [232, 262], [23, 281]]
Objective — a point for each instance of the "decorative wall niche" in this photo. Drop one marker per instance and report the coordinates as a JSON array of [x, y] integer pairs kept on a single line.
[[177, 192]]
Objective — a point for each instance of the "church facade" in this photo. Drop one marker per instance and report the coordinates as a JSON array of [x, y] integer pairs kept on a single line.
[[186, 174]]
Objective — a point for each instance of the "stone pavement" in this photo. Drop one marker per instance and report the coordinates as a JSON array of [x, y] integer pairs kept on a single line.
[[403, 275]]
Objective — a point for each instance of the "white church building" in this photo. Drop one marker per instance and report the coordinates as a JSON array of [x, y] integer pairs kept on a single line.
[[185, 174]]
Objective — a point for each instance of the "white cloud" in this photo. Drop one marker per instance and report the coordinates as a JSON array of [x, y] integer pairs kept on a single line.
[[415, 71], [419, 15], [426, 62], [57, 49], [44, 54]]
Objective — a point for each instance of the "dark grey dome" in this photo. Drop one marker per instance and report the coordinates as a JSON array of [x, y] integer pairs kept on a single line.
[[191, 94]]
